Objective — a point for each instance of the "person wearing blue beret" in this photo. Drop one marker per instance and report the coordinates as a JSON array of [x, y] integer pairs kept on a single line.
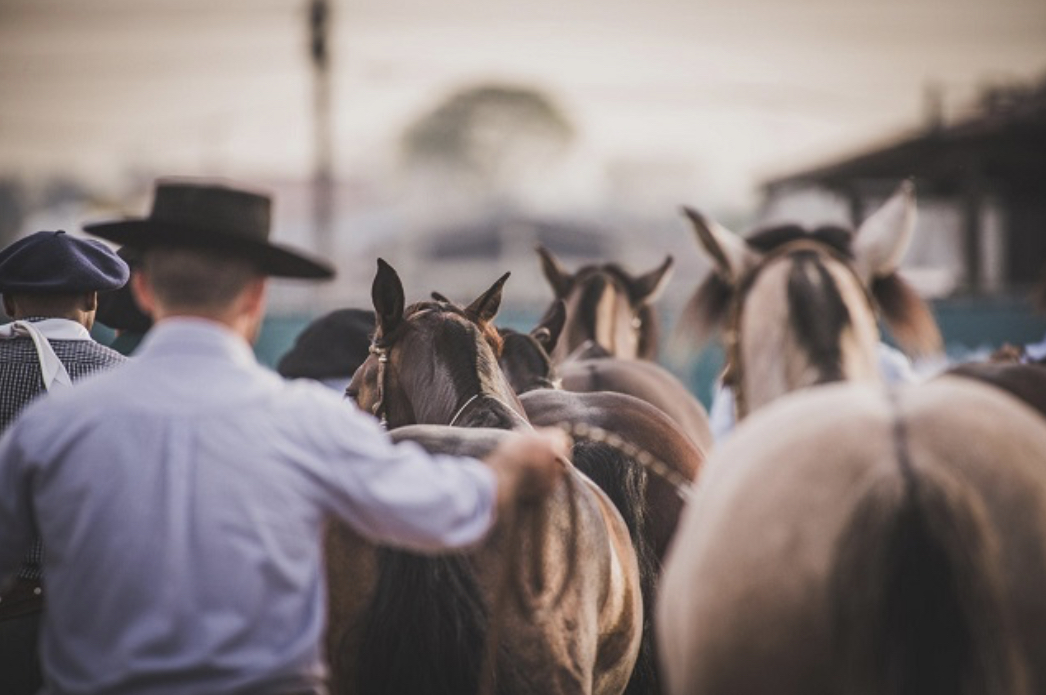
[[50, 282]]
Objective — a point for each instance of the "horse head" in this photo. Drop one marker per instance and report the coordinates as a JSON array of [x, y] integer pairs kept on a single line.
[[607, 305], [434, 362], [526, 357], [800, 307]]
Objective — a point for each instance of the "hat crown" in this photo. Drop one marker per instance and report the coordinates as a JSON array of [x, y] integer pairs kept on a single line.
[[236, 212]]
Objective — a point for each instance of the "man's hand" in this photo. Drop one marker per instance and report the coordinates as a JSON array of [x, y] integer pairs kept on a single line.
[[530, 465]]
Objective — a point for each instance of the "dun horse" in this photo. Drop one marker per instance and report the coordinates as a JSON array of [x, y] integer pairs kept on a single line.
[[607, 306], [789, 291], [852, 538], [406, 623]]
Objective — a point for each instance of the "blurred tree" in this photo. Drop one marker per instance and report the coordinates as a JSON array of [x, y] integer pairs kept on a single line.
[[489, 137], [12, 210]]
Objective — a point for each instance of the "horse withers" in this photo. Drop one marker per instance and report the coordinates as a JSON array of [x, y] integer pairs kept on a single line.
[[401, 622]]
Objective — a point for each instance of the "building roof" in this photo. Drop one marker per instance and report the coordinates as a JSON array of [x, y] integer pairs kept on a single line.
[[1003, 145]]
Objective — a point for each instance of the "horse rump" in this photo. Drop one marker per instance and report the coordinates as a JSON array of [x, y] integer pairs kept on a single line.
[[917, 600], [624, 481]]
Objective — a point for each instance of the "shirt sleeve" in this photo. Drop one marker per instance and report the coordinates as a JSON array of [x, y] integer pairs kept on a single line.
[[16, 519], [399, 494]]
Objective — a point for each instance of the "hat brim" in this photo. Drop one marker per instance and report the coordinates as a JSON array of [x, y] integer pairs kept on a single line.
[[271, 259]]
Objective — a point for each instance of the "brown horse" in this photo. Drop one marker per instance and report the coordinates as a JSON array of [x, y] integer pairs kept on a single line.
[[401, 622], [608, 306], [1025, 381], [848, 538], [799, 308], [526, 360]]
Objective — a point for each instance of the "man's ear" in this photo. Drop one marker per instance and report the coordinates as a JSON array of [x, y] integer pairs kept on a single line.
[[254, 295], [143, 293], [91, 301]]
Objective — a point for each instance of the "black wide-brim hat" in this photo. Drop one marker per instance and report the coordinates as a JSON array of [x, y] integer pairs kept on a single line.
[[210, 216], [118, 309], [334, 345]]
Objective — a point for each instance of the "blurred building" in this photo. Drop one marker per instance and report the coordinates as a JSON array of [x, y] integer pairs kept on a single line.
[[981, 185]]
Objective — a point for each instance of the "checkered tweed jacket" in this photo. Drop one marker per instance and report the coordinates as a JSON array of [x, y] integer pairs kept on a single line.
[[21, 382]]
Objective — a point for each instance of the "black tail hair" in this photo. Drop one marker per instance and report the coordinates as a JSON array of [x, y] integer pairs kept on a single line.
[[425, 630], [916, 599]]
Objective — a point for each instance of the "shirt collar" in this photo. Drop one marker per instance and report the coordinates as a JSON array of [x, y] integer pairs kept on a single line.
[[59, 329], [190, 335]]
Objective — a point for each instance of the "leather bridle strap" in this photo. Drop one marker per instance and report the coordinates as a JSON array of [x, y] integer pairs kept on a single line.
[[378, 410]]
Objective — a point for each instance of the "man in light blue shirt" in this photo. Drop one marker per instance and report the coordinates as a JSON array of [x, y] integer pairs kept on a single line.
[[181, 495]]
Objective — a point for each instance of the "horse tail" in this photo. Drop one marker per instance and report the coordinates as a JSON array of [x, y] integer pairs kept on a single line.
[[917, 600], [425, 630], [624, 481]]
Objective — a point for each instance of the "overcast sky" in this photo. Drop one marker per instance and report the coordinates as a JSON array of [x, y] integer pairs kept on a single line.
[[737, 90]]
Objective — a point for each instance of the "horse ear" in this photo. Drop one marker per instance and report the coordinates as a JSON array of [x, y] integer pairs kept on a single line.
[[556, 275], [647, 288], [388, 298], [729, 252], [882, 240], [550, 327], [486, 306]]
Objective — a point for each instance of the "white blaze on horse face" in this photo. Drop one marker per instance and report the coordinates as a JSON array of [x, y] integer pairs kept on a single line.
[[883, 238]]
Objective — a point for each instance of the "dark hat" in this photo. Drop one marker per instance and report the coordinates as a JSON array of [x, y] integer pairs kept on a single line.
[[47, 262], [212, 216], [333, 345], [117, 309]]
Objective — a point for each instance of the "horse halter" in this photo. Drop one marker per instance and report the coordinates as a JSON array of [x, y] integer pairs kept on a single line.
[[733, 372], [378, 409]]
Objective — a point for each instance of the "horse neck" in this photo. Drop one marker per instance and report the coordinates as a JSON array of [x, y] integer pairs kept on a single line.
[[805, 322], [474, 396], [599, 311]]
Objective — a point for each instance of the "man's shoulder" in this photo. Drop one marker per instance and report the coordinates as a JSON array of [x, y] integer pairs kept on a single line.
[[87, 354]]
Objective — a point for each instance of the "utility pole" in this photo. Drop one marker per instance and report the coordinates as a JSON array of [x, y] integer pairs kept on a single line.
[[323, 176]]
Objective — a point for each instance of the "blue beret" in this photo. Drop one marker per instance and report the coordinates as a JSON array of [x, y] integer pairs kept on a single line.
[[57, 262]]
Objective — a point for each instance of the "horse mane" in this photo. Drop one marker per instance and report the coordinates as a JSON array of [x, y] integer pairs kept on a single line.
[[709, 306], [594, 279], [487, 330], [904, 312]]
